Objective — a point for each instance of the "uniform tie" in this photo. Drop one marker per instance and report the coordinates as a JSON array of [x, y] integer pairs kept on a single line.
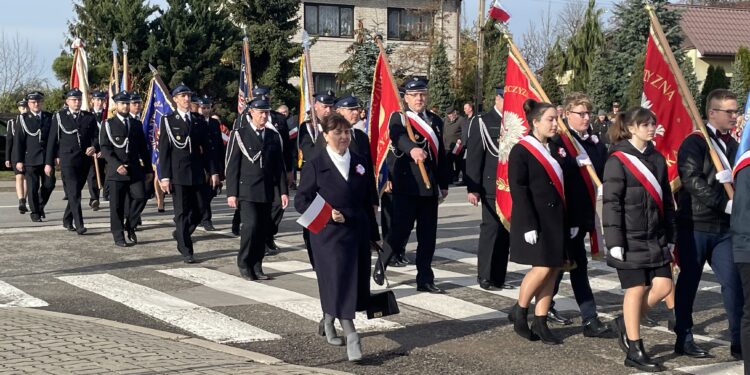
[[260, 133]]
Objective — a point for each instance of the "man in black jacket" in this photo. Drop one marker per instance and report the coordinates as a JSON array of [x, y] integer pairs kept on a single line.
[[97, 109], [452, 140], [183, 152], [216, 153], [703, 223], [255, 173], [481, 176], [29, 148], [412, 199], [741, 244], [73, 141]]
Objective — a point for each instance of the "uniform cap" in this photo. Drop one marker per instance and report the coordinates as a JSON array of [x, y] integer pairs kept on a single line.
[[121, 97], [99, 94], [327, 98], [135, 97], [349, 101], [35, 95], [205, 100], [260, 103], [415, 84], [181, 88], [74, 93], [260, 90]]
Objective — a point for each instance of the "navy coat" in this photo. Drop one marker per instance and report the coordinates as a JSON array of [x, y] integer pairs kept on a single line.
[[341, 250]]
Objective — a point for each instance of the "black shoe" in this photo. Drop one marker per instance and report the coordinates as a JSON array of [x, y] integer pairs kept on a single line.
[[132, 237], [595, 328], [42, 214], [160, 210], [485, 284], [689, 349], [555, 316], [22, 209], [430, 287], [519, 317], [638, 358], [236, 230], [174, 235], [271, 245], [736, 351], [122, 244], [209, 226], [506, 286], [81, 231], [395, 262], [247, 275], [648, 321], [540, 328], [404, 259], [35, 218], [671, 321], [189, 259], [378, 274], [258, 273], [69, 227], [622, 335], [65, 197], [94, 205]]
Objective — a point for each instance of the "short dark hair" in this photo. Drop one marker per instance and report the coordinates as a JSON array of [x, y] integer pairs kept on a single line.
[[718, 94], [534, 110], [335, 121], [619, 132]]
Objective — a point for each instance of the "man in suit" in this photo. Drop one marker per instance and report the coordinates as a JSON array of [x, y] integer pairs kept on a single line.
[[123, 145], [10, 131], [73, 141], [412, 199], [453, 143], [216, 154], [29, 148], [255, 173], [349, 107], [97, 109], [184, 150], [481, 176]]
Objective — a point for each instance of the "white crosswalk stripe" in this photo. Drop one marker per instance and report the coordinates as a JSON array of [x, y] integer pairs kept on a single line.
[[11, 296], [445, 305], [188, 316], [296, 303]]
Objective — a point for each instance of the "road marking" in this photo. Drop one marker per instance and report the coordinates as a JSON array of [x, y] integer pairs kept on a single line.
[[722, 368], [11, 296], [296, 303], [188, 316], [440, 304]]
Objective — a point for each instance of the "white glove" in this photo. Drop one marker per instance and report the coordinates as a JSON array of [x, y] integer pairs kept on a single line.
[[600, 191], [530, 237], [583, 160], [573, 232], [617, 253], [728, 210], [724, 176]]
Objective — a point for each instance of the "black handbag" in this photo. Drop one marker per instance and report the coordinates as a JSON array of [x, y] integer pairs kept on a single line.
[[381, 303]]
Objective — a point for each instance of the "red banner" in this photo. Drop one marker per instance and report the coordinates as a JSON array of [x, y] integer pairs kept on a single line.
[[514, 127], [662, 97], [384, 102]]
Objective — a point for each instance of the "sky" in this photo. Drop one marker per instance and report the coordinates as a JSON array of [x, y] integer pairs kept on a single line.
[[45, 24]]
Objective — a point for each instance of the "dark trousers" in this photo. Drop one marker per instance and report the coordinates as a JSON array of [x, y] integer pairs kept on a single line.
[[454, 163], [74, 178], [308, 246], [256, 219], [406, 210], [188, 208], [744, 271], [236, 218], [120, 217], [695, 248], [138, 206], [494, 244], [91, 182], [277, 213], [579, 278], [208, 196], [39, 187], [386, 214]]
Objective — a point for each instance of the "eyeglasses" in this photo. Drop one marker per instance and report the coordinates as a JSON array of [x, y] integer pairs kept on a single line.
[[415, 94], [730, 112], [583, 114]]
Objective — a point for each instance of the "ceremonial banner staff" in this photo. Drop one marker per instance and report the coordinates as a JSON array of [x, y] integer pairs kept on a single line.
[[125, 76], [79, 79], [308, 77]]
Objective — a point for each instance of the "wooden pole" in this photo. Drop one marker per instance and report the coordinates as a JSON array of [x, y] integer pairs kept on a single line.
[[480, 58], [309, 79], [687, 96], [248, 69], [407, 124]]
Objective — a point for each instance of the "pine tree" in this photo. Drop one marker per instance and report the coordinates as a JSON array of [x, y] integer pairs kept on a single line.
[[550, 72], [579, 54], [737, 84], [358, 69], [270, 28], [495, 60], [467, 69], [600, 89], [634, 91], [688, 71], [441, 92], [716, 78], [190, 44]]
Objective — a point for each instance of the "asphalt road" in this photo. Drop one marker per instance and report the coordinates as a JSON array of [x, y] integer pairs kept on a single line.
[[466, 331]]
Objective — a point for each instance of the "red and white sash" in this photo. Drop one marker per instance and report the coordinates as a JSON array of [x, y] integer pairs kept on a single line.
[[425, 130], [742, 162], [554, 171], [644, 176]]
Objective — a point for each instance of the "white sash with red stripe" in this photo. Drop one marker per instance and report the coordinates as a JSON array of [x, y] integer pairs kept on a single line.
[[742, 162], [425, 130], [553, 168], [644, 176]]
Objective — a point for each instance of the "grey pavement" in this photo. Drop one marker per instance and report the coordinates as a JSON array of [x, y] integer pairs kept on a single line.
[[43, 342]]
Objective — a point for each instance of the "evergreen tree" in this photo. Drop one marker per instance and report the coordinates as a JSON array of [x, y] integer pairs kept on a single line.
[[716, 78], [97, 23], [441, 92], [688, 71], [358, 69], [495, 61], [634, 91], [599, 88], [270, 28], [737, 84], [579, 54], [550, 72], [467, 69], [191, 43]]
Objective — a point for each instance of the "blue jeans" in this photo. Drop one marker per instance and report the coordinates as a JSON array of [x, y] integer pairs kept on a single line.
[[695, 248], [579, 279]]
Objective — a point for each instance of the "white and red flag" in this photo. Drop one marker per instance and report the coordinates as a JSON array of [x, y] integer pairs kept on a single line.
[[79, 73], [498, 13], [316, 216]]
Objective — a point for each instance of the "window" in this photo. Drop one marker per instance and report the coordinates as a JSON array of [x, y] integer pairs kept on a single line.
[[408, 24], [329, 20], [323, 82]]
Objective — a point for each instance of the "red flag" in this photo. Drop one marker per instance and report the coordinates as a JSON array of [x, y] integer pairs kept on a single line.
[[384, 102], [498, 13], [661, 96], [225, 132], [514, 127]]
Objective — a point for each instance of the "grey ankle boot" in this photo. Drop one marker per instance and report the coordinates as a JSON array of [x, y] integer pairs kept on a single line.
[[353, 347], [326, 328]]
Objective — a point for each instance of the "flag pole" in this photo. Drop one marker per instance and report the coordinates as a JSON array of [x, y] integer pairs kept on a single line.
[[687, 96], [308, 77], [125, 78], [407, 124], [248, 69], [115, 65]]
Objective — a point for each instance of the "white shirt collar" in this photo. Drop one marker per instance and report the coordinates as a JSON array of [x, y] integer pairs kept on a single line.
[[183, 114], [121, 118], [37, 114], [359, 125], [342, 162], [496, 110]]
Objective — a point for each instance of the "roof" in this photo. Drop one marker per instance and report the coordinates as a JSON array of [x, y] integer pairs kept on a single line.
[[715, 31]]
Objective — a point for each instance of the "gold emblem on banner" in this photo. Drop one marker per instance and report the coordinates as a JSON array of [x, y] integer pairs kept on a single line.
[[502, 185]]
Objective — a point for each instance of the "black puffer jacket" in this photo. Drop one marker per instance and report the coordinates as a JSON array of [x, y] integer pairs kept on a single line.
[[702, 199], [630, 217]]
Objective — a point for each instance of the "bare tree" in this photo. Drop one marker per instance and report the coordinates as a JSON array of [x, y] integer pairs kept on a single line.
[[19, 68], [538, 39], [570, 18]]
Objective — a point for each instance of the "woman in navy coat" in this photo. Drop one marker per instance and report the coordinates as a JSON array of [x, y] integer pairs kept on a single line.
[[342, 249]]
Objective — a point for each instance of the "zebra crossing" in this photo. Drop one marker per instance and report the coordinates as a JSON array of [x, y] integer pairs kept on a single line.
[[207, 323]]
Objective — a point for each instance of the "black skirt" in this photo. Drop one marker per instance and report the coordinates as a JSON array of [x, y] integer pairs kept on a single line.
[[642, 276]]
